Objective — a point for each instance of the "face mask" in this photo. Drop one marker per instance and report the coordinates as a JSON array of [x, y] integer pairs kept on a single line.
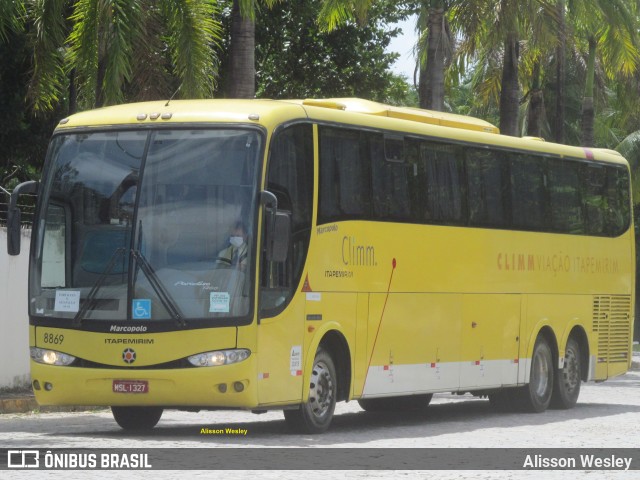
[[236, 241]]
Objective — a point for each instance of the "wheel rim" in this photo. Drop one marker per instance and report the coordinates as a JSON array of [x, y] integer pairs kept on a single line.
[[321, 391], [571, 371], [540, 374]]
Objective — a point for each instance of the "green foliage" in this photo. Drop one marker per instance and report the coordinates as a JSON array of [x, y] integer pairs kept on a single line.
[[23, 137], [296, 58], [48, 30], [129, 50], [336, 13], [629, 148], [101, 47], [193, 34], [109, 49], [11, 17]]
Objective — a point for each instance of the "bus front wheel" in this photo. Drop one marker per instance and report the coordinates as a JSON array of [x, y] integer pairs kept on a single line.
[[316, 414], [566, 388], [137, 418], [535, 397]]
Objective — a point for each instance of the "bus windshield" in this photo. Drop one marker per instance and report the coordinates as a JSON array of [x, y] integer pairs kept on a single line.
[[147, 225]]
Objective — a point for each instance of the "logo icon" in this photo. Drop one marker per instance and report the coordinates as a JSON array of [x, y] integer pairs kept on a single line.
[[129, 355], [23, 459], [141, 309]]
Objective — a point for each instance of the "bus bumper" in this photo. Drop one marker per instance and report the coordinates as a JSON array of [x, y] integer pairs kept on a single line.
[[228, 386]]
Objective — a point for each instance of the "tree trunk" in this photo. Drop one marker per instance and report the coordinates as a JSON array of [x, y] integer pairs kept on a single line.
[[588, 120], [588, 109], [242, 68], [510, 92], [100, 79], [560, 75], [422, 86], [434, 82], [536, 105], [73, 92]]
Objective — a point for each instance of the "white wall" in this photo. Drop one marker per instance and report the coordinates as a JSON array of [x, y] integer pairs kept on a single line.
[[14, 320]]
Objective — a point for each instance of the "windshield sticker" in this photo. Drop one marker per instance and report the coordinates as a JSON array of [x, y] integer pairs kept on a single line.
[[295, 361], [141, 309], [67, 301], [219, 302]]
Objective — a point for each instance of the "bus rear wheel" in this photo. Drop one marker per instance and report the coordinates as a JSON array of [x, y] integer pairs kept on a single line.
[[137, 418], [394, 404], [566, 387], [316, 414], [535, 397]]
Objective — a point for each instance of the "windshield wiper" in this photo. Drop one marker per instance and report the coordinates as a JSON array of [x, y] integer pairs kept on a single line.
[[168, 302], [89, 302]]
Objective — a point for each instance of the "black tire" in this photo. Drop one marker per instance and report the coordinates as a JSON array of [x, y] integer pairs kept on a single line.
[[395, 404], [566, 385], [535, 397], [137, 418], [316, 414]]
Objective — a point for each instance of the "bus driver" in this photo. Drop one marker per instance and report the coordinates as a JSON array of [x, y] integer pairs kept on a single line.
[[235, 255]]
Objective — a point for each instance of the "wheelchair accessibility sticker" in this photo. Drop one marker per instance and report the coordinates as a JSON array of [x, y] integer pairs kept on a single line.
[[141, 309]]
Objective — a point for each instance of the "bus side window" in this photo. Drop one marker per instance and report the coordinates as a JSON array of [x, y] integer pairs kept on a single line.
[[442, 167], [290, 179], [345, 186], [565, 197], [617, 211], [487, 188], [389, 178], [528, 192], [594, 198]]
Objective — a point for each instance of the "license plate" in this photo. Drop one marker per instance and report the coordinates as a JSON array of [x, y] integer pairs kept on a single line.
[[130, 386]]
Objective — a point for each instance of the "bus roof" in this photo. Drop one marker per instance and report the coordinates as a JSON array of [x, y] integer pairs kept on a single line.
[[352, 111], [404, 113]]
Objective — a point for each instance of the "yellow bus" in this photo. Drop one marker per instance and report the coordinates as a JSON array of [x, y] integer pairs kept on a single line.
[[291, 254]]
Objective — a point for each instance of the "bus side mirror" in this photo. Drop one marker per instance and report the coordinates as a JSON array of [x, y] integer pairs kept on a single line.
[[14, 216], [277, 228], [14, 219]]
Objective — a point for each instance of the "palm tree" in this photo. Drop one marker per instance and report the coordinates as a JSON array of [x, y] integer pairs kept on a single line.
[[337, 12], [544, 37], [50, 29], [434, 46], [487, 25], [535, 103], [241, 80], [517, 35], [630, 149], [103, 46], [608, 29], [561, 67], [11, 17]]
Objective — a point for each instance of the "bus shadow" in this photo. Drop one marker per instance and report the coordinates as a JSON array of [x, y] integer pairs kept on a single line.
[[455, 418], [462, 416]]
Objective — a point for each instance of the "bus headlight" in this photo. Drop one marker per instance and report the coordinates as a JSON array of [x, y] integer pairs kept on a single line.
[[219, 357], [51, 357]]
